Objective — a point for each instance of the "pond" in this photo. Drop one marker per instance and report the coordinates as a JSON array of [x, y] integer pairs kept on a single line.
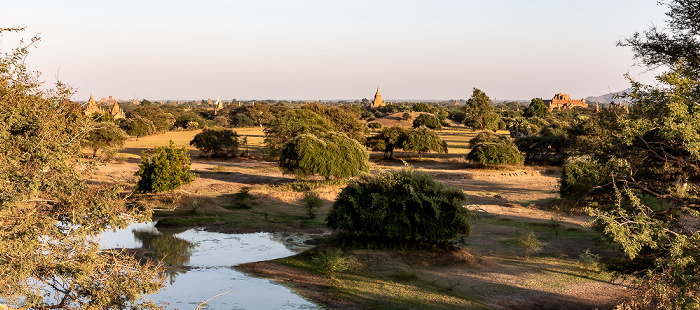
[[207, 260]]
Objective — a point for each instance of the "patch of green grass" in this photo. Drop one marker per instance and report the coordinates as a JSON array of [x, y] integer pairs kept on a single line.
[[182, 222], [305, 186]]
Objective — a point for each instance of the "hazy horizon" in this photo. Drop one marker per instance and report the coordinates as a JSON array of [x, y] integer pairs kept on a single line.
[[321, 50]]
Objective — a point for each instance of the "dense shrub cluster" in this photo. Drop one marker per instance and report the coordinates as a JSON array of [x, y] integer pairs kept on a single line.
[[164, 168], [427, 120], [493, 149], [216, 141], [330, 155], [403, 205]]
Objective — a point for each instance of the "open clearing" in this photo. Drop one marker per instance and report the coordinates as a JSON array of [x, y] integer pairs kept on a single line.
[[490, 271]]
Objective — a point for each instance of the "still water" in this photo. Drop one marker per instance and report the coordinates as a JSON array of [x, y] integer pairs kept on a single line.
[[207, 260]]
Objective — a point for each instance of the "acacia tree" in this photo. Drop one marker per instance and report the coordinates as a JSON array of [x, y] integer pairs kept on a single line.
[[331, 155], [389, 139], [137, 126], [105, 136], [480, 114], [291, 123], [216, 141], [427, 120], [536, 108], [49, 213], [422, 139]]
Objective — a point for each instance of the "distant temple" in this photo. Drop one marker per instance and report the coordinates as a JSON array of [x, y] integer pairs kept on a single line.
[[117, 111], [562, 101], [378, 101], [93, 108], [219, 105]]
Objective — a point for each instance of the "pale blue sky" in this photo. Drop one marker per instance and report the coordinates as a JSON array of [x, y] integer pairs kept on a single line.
[[325, 49]]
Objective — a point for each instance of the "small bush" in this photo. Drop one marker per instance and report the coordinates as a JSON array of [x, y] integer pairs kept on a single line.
[[589, 261], [164, 168], [427, 120], [528, 241], [400, 205], [311, 203], [374, 125], [500, 153], [332, 263]]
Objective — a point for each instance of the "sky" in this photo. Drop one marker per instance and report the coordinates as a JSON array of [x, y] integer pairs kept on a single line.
[[333, 49]]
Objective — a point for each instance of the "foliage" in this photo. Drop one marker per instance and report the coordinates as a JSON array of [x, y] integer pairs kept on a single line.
[[137, 126], [388, 139], [536, 108], [486, 137], [311, 203], [344, 119], [422, 107], [333, 154], [422, 140], [550, 146], [641, 178], [479, 112], [457, 115], [105, 136], [49, 213], [374, 125], [528, 241], [402, 205], [427, 120], [291, 123], [680, 42], [162, 121], [216, 141], [406, 116], [521, 127], [502, 152], [164, 168], [190, 121], [332, 263]]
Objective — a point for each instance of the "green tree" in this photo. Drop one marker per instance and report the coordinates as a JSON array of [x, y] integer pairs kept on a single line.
[[344, 119], [162, 121], [291, 123], [137, 126], [480, 114], [164, 168], [640, 173], [536, 108], [680, 41], [499, 153], [332, 154], [400, 205], [422, 139], [186, 120], [216, 141], [105, 136], [389, 139], [49, 213], [427, 120], [422, 107]]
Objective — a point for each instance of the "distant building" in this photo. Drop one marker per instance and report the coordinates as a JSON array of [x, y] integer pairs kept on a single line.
[[562, 101], [92, 107], [219, 105], [378, 101], [117, 111]]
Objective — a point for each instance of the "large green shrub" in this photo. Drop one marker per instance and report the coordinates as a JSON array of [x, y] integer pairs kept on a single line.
[[387, 140], [164, 168], [291, 123], [496, 153], [403, 205], [427, 120], [422, 139], [216, 141], [486, 137], [331, 155]]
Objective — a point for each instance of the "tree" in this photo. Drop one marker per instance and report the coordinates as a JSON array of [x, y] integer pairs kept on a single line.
[[427, 120], [216, 141], [480, 114], [137, 126], [164, 168], [188, 121], [291, 123], [422, 107], [387, 140], [681, 42], [332, 154], [344, 119], [400, 205], [162, 121], [536, 108], [422, 140], [496, 153], [49, 213], [640, 173], [105, 136]]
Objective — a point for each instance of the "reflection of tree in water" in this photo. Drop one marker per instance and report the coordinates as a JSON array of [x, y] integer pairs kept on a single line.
[[169, 249]]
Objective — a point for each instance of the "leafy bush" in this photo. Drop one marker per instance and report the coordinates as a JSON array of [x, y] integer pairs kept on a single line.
[[331, 155], [311, 203], [528, 241], [190, 121], [164, 168], [422, 140], [137, 126], [216, 141], [422, 107], [496, 153], [427, 120], [374, 125], [400, 205], [536, 108], [105, 136], [486, 137], [291, 123]]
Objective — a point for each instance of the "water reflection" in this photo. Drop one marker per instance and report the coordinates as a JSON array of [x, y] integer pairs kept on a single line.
[[169, 249]]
